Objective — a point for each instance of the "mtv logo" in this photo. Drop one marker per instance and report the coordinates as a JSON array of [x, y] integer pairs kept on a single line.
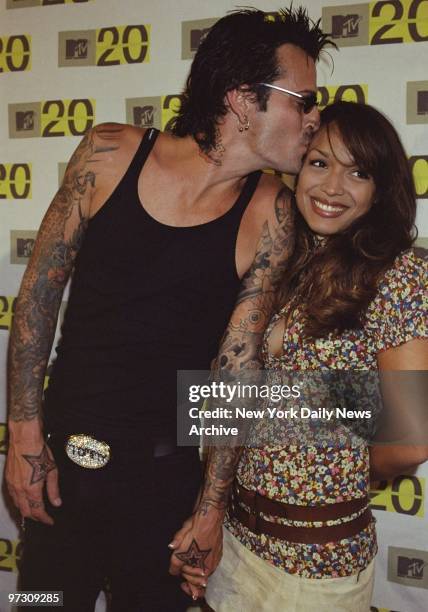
[[24, 247], [144, 116], [24, 121], [406, 566], [196, 37], [422, 103], [21, 245], [410, 568], [76, 49], [345, 26]]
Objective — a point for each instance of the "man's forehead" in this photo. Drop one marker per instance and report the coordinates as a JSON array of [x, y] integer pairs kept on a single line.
[[296, 65]]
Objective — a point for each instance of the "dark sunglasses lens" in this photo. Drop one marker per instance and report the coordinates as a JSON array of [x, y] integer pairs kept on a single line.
[[308, 103]]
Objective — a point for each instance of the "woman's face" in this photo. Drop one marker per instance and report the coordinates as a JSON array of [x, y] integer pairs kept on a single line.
[[332, 191]]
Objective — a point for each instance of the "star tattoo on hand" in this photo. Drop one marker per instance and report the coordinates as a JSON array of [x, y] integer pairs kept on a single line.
[[194, 556], [42, 464]]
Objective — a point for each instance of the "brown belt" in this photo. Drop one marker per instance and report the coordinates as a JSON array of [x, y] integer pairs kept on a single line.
[[308, 535]]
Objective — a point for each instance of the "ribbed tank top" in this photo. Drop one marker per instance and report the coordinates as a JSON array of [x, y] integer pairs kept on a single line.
[[146, 300]]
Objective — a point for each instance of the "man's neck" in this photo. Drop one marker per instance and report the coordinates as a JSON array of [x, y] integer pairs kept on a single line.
[[228, 162]]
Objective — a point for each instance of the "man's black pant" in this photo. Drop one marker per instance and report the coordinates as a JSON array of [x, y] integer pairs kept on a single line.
[[115, 523]]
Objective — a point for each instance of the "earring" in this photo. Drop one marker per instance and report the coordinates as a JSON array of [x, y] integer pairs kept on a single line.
[[245, 126]]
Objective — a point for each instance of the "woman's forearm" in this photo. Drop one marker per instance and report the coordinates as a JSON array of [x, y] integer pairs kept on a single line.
[[387, 461]]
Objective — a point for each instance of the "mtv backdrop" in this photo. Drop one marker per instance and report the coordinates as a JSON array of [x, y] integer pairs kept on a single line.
[[68, 64]]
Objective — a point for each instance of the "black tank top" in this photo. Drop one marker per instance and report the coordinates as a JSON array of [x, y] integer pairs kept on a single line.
[[146, 300]]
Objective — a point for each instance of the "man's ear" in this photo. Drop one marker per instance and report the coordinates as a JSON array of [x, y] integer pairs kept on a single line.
[[239, 103]]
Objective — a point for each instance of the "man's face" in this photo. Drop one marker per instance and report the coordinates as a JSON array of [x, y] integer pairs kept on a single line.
[[281, 135]]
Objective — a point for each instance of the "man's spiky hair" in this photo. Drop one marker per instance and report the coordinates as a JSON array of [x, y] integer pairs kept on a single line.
[[240, 49]]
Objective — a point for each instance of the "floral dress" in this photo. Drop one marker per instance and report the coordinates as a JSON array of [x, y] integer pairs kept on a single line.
[[309, 475]]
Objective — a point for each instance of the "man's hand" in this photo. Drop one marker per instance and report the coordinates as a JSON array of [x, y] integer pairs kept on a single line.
[[29, 466], [197, 549]]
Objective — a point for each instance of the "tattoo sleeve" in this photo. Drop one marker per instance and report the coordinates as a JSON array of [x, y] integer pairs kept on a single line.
[[241, 343], [58, 242]]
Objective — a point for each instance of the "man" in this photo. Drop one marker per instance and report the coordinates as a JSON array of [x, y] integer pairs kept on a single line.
[[158, 230]]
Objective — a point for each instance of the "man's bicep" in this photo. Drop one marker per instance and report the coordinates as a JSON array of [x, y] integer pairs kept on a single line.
[[257, 298], [64, 223], [262, 281]]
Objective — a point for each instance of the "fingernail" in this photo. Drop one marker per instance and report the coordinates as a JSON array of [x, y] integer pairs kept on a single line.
[[57, 502], [204, 584], [171, 545], [194, 597]]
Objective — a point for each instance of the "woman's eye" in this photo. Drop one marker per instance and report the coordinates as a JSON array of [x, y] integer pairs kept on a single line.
[[361, 174], [318, 163]]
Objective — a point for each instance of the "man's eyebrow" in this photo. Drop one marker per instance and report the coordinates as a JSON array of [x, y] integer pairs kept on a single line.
[[306, 91]]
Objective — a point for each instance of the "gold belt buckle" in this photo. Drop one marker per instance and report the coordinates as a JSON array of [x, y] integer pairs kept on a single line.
[[87, 452]]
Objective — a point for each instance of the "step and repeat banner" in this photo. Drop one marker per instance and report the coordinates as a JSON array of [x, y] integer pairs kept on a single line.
[[66, 65]]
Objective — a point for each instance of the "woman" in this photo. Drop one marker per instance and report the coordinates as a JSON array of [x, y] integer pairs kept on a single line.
[[299, 535]]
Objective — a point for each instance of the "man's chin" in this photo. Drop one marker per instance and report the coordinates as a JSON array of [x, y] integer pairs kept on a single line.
[[292, 170]]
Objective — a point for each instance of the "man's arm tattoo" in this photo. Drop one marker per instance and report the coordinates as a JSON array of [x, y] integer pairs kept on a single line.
[[241, 344], [59, 240]]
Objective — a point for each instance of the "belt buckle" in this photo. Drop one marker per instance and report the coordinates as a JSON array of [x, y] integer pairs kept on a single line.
[[87, 452]]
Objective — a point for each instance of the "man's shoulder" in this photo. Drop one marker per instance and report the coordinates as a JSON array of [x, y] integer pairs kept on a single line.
[[271, 195], [114, 135], [113, 148], [270, 186]]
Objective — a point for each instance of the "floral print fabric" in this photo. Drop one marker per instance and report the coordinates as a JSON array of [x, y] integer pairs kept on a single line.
[[325, 475]]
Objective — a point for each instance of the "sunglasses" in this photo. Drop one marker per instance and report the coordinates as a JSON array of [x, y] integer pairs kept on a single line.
[[308, 101]]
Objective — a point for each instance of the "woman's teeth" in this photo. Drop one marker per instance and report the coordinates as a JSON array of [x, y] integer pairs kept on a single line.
[[328, 207]]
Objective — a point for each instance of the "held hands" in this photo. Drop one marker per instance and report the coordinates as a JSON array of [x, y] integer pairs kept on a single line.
[[197, 549], [29, 466]]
